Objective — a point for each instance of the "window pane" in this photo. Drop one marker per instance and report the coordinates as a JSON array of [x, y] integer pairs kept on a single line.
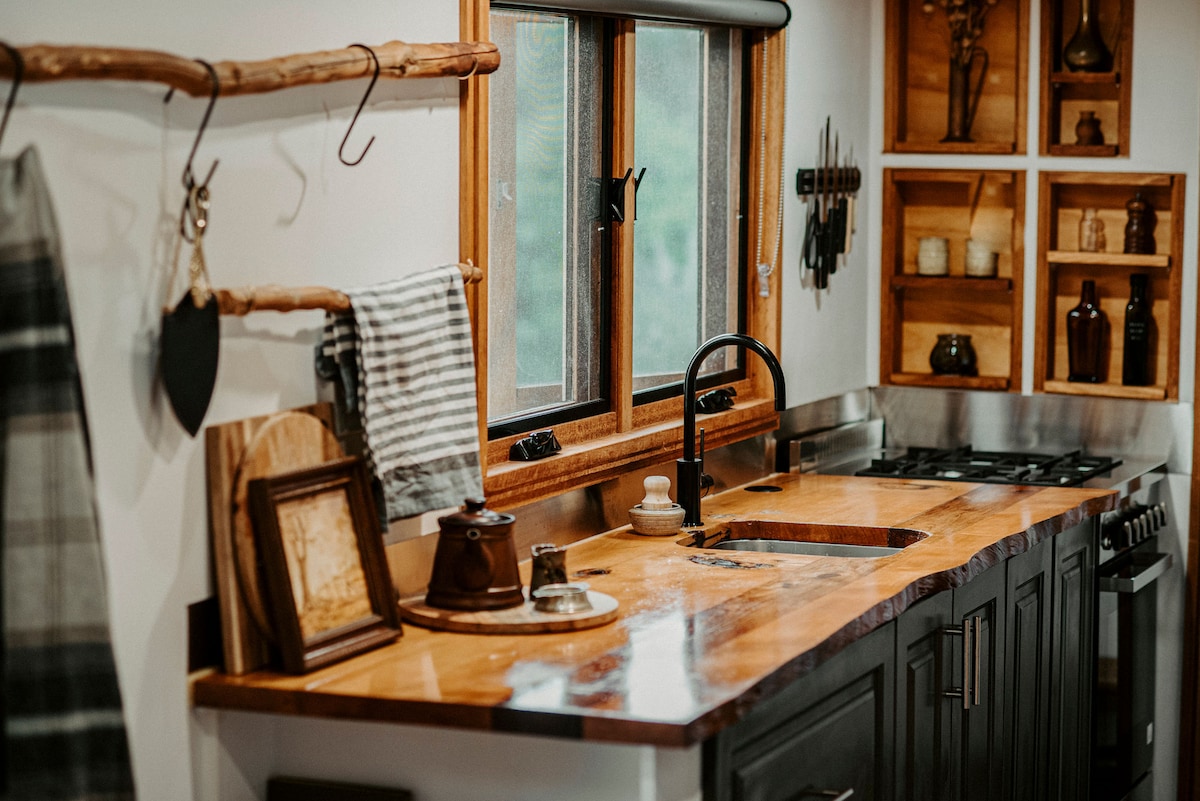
[[686, 239], [545, 227]]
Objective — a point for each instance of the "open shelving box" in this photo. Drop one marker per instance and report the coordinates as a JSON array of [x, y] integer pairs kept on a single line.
[[917, 67], [1062, 268], [988, 205], [1065, 94]]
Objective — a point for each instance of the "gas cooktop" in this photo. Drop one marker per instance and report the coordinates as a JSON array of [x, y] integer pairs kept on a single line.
[[997, 467]]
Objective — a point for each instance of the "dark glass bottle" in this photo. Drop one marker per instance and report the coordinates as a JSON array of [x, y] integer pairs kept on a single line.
[[1139, 331], [1085, 338]]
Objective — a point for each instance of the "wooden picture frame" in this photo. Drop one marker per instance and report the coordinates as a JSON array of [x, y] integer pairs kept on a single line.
[[342, 602]]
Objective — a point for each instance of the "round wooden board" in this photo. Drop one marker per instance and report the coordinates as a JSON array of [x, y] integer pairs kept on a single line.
[[523, 619], [286, 441]]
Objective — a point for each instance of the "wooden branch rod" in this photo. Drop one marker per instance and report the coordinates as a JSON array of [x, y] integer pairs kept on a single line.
[[243, 300], [396, 60]]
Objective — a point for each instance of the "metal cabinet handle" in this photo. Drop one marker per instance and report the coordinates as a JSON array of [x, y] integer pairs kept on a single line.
[[978, 648], [1147, 573], [964, 692]]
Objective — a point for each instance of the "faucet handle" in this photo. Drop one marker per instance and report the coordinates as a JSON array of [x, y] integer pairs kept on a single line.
[[706, 480]]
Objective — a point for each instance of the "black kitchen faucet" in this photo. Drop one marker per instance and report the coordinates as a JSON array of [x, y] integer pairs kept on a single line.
[[689, 471]]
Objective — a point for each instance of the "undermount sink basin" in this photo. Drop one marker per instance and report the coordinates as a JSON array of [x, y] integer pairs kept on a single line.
[[811, 539]]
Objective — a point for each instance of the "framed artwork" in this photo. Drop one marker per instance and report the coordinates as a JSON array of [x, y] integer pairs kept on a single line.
[[330, 593]]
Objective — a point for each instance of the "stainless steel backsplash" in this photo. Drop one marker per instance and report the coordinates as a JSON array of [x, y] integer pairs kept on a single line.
[[1037, 423]]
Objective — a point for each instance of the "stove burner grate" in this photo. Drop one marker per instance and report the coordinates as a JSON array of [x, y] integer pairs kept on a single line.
[[996, 467]]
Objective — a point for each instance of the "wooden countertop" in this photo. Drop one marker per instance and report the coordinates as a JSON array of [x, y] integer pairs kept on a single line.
[[695, 645]]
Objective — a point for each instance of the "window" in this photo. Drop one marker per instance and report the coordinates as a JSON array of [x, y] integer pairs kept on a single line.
[[545, 220], [621, 161], [687, 135]]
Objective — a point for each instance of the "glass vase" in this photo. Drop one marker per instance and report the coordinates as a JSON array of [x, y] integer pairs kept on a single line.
[[1086, 51]]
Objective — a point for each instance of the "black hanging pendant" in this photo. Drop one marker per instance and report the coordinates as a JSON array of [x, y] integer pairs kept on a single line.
[[189, 348]]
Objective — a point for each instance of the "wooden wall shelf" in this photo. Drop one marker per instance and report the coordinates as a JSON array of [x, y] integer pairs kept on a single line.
[[988, 205], [957, 284], [1061, 270], [1065, 94], [1149, 261], [917, 77], [998, 383], [1108, 390]]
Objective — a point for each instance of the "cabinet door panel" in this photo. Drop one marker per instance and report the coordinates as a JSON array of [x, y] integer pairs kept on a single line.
[[830, 731], [981, 749], [924, 715], [1072, 662], [1027, 671]]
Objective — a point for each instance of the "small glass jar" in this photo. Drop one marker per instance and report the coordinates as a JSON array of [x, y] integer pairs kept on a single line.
[[953, 355], [1091, 232]]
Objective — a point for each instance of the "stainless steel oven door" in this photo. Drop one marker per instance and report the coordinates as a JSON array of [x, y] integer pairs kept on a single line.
[[1123, 710]]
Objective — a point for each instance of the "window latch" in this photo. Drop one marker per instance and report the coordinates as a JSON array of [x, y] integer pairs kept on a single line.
[[616, 193]]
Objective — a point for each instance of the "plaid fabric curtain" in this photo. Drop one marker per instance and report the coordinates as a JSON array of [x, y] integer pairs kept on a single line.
[[63, 729]]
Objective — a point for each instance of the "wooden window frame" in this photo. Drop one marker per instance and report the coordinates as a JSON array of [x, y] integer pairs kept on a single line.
[[628, 437]]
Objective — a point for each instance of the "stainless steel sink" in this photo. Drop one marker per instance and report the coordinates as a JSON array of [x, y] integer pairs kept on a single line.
[[805, 548], [812, 539]]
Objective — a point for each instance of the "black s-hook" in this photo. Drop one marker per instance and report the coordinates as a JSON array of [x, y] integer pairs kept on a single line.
[[362, 103], [189, 177], [18, 74]]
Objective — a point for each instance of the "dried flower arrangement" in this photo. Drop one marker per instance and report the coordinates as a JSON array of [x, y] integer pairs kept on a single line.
[[965, 21]]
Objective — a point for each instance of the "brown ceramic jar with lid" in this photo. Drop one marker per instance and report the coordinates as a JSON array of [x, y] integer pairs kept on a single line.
[[475, 565]]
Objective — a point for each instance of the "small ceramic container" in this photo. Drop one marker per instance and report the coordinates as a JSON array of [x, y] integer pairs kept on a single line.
[[933, 255], [981, 260]]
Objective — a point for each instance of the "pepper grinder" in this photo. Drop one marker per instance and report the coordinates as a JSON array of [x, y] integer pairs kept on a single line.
[[1139, 230]]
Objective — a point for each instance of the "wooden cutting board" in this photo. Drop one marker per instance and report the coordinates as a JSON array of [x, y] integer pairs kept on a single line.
[[237, 452]]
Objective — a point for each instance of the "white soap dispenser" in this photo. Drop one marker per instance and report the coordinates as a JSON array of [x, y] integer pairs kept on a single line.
[[656, 515]]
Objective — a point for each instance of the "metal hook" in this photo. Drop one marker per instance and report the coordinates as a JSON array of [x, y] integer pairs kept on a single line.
[[189, 177], [474, 67], [362, 103], [18, 74]]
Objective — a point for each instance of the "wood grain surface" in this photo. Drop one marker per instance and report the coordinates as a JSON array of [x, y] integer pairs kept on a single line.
[[244, 645], [697, 641]]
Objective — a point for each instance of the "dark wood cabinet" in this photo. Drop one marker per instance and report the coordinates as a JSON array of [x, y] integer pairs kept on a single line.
[[826, 734], [950, 702], [981, 693]]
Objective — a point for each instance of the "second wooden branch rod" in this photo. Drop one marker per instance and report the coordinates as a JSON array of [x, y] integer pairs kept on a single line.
[[396, 60], [243, 300]]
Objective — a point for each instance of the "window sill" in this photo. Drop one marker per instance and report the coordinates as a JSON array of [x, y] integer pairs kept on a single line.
[[509, 484]]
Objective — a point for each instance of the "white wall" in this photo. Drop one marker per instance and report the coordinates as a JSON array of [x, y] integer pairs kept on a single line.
[[284, 211], [827, 341]]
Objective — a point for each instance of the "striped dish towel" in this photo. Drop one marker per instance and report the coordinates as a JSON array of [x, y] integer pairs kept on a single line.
[[406, 345]]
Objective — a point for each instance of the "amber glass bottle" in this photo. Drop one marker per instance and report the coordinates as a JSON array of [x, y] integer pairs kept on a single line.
[[1085, 338], [1139, 331]]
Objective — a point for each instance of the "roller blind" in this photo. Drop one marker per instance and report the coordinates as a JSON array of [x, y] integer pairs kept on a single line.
[[739, 13]]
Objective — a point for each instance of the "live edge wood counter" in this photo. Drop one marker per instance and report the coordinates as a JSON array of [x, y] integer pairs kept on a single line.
[[696, 644]]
